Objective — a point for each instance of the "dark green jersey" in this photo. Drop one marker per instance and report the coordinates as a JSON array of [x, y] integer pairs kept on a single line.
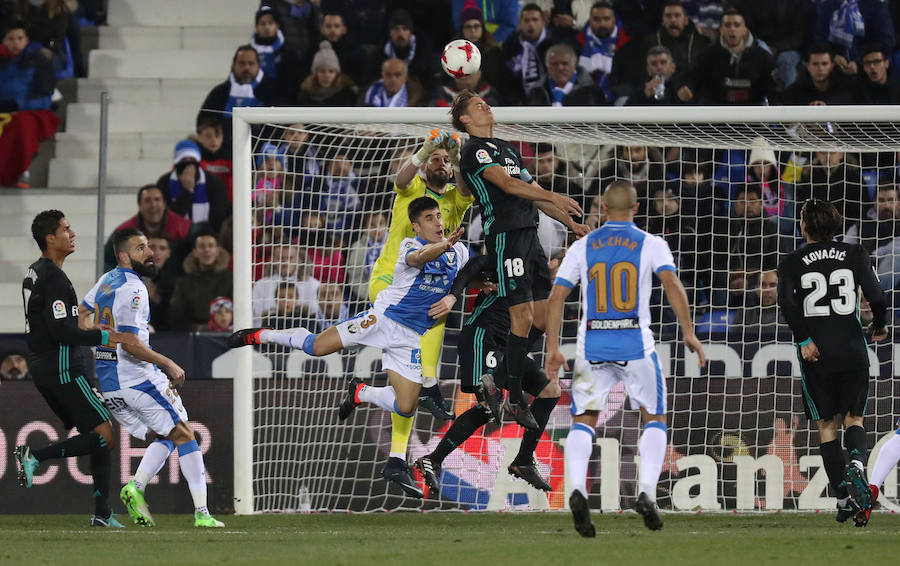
[[500, 211]]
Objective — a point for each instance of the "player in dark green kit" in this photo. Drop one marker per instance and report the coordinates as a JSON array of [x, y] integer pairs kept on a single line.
[[818, 292], [52, 333], [482, 371], [509, 199]]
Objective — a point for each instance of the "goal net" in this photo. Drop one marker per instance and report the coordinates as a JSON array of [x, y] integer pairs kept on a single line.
[[313, 195]]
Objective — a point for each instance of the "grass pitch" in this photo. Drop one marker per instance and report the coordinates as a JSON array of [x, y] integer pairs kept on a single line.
[[454, 538]]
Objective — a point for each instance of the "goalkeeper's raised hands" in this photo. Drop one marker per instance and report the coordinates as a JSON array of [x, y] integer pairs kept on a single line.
[[435, 138]]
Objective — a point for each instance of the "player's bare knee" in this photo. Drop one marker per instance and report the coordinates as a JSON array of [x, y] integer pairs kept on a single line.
[[407, 408], [181, 433]]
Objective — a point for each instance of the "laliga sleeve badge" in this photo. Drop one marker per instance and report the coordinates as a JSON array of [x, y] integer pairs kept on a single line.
[[482, 156], [59, 309]]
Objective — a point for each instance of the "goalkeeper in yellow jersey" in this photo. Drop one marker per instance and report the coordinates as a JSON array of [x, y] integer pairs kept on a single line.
[[438, 160]]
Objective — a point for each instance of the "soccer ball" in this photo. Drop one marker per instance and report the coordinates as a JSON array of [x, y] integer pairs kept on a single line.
[[460, 58]]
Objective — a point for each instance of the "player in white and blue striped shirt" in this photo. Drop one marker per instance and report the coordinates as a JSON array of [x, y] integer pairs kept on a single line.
[[615, 265], [404, 311]]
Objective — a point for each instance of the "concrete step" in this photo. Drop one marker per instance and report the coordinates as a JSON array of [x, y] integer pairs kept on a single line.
[[148, 91], [122, 145], [12, 317], [25, 204], [180, 13], [82, 173], [128, 117], [138, 38], [167, 63]]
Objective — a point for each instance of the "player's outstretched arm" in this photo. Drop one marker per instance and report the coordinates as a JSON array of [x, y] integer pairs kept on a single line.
[[555, 358], [678, 299], [170, 368], [409, 169], [530, 191], [555, 213], [453, 146], [433, 251]]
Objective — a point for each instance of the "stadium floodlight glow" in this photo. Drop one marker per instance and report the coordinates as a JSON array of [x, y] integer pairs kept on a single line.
[[290, 454]]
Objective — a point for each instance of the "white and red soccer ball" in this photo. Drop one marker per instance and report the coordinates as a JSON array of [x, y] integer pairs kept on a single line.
[[461, 58]]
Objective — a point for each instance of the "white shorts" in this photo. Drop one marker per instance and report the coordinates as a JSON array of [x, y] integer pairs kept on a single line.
[[400, 351], [149, 405], [643, 379]]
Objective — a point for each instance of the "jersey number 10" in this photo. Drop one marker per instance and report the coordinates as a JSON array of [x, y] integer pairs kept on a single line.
[[623, 279], [844, 304]]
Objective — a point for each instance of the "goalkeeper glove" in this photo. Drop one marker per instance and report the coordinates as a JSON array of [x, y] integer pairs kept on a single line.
[[453, 144], [434, 139]]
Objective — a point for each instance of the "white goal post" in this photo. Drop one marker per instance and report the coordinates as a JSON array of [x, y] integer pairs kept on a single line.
[[803, 130]]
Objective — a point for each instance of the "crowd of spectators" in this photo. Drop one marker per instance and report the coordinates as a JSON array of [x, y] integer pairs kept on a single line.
[[322, 200]]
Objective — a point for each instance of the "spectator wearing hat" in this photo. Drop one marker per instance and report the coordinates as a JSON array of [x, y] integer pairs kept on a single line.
[[14, 366], [190, 192], [275, 60], [413, 49], [351, 57], [327, 85], [221, 315], [472, 28], [500, 17], [395, 88]]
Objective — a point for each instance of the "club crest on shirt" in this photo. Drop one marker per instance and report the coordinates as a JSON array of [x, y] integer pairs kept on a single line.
[[451, 257], [59, 309], [482, 156]]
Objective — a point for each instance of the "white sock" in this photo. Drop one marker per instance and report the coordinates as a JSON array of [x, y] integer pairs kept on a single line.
[[289, 338], [154, 458], [652, 448], [887, 459], [384, 397], [428, 382], [194, 471], [579, 446]]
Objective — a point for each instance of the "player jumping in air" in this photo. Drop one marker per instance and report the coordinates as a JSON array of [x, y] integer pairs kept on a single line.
[[134, 385], [51, 330], [507, 194], [817, 290], [438, 157], [481, 347], [412, 304], [615, 265]]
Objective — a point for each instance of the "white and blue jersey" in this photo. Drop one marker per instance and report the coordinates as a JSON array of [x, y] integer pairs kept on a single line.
[[615, 265], [414, 289], [120, 300]]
